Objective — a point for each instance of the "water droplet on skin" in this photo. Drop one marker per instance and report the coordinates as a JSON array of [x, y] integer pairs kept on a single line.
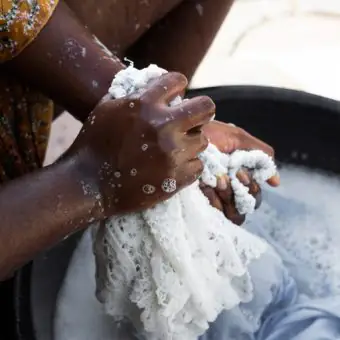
[[148, 189], [117, 174], [199, 9], [145, 147]]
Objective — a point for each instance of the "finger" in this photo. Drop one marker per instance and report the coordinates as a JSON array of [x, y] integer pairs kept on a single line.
[[193, 145], [193, 113], [255, 191], [212, 196], [250, 142], [274, 181], [226, 195], [189, 172], [228, 202], [232, 214], [222, 182], [165, 88]]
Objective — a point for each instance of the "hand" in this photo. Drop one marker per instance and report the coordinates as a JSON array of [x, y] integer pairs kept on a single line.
[[229, 138], [139, 151]]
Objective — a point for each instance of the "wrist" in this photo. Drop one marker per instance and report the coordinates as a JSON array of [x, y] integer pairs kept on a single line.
[[86, 171], [83, 186]]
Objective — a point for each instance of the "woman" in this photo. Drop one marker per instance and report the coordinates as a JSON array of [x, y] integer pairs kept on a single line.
[[45, 49]]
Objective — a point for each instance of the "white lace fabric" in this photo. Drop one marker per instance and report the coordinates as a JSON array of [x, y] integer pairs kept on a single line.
[[173, 269]]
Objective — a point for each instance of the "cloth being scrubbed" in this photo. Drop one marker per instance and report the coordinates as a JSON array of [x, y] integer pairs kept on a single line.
[[172, 269]]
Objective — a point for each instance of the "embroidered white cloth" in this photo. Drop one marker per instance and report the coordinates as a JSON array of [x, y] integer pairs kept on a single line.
[[172, 269]]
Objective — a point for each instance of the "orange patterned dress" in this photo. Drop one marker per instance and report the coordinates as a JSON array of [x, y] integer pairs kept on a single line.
[[25, 114]]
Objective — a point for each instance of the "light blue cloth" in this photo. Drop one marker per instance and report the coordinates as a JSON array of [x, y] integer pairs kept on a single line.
[[279, 310]]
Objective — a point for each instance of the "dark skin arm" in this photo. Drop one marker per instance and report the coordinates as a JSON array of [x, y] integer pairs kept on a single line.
[[189, 30], [51, 206], [67, 64], [40, 209]]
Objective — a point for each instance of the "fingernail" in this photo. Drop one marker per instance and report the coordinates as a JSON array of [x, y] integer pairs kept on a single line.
[[222, 183], [276, 178]]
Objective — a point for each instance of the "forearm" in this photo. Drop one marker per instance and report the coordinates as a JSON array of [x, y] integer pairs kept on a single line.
[[67, 64], [40, 209], [181, 39]]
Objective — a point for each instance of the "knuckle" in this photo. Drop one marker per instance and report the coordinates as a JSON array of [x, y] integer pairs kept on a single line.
[[240, 131], [271, 151]]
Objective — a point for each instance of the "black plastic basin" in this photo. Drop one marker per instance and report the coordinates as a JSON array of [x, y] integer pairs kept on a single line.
[[294, 123]]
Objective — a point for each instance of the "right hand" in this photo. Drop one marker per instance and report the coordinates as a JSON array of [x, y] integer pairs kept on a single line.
[[229, 138], [131, 148]]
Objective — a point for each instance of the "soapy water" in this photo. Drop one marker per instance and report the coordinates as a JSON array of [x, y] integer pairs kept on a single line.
[[300, 219]]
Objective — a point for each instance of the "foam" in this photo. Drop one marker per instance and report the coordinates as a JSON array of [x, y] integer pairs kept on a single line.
[[305, 228]]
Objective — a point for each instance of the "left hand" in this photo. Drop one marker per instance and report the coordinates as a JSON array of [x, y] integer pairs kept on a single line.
[[229, 138]]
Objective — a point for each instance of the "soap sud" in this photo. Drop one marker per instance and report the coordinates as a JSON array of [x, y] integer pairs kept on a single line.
[[177, 263], [199, 9], [169, 185], [145, 147], [307, 237], [148, 189], [133, 172], [103, 47]]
